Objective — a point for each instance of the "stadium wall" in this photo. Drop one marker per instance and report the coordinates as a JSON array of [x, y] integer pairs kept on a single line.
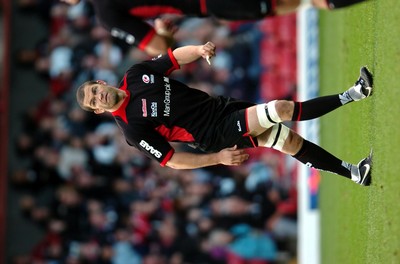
[[308, 178]]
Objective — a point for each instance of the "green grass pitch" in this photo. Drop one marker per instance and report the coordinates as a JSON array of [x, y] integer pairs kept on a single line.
[[362, 224]]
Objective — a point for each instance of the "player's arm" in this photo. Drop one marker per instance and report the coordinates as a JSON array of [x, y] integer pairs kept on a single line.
[[157, 45], [229, 156], [162, 39], [134, 31], [175, 58], [188, 54]]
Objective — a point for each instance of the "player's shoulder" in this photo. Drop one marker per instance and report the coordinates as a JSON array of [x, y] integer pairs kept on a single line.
[[135, 70]]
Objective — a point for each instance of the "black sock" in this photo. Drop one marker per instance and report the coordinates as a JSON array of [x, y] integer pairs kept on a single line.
[[316, 157], [315, 107], [333, 4]]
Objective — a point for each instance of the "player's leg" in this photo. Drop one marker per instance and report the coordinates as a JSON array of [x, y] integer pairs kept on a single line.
[[289, 142], [263, 116], [317, 107], [251, 9], [334, 4]]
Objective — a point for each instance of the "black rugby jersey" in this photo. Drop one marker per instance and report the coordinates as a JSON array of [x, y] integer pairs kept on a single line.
[[159, 110]]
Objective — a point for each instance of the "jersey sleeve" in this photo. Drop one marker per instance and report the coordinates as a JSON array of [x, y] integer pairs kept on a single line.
[[163, 64], [153, 145], [122, 25]]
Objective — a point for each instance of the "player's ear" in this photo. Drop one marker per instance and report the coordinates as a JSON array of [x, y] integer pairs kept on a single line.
[[98, 111]]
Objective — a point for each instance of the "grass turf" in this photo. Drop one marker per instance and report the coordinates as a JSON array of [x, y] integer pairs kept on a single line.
[[362, 224]]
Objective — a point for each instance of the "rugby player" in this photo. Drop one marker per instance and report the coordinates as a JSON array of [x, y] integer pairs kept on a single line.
[[153, 110], [128, 20]]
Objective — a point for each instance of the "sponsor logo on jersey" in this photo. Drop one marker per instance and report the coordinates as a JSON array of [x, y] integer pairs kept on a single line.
[[239, 126], [119, 33], [150, 149], [144, 107], [148, 79], [145, 78], [167, 97], [153, 109]]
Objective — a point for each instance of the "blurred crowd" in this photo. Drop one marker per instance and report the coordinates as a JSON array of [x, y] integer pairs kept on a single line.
[[99, 200]]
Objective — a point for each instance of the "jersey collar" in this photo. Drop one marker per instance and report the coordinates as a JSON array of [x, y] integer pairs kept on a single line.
[[121, 112]]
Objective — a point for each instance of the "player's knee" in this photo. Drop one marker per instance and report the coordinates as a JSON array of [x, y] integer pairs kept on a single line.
[[278, 137], [267, 114], [274, 112], [293, 143], [284, 109]]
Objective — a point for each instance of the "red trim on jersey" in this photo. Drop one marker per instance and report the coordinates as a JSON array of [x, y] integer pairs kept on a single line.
[[300, 110], [167, 157], [124, 84], [247, 134], [252, 141], [153, 11], [203, 7], [175, 134], [174, 61], [121, 110], [145, 41]]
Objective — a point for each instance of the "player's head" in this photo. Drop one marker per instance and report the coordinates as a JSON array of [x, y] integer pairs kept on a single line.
[[71, 2], [98, 97]]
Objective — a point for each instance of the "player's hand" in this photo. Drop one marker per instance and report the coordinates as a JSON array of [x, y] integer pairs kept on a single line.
[[165, 27], [207, 51], [232, 156]]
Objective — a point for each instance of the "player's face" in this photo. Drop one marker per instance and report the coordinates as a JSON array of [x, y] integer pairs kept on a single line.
[[71, 2], [102, 97]]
